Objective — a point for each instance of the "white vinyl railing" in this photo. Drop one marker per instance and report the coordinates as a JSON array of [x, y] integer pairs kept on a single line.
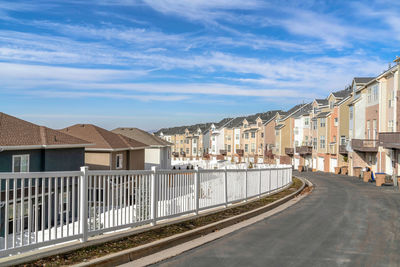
[[42, 209]]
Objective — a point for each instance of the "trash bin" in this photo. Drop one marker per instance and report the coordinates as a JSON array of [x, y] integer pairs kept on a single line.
[[344, 170], [357, 172], [380, 178], [366, 176]]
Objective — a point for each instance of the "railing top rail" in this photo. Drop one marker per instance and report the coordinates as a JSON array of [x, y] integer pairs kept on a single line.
[[121, 172], [12, 175], [175, 171]]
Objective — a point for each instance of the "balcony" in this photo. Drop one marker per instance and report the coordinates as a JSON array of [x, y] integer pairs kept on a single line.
[[268, 153], [390, 140], [289, 150], [175, 154], [223, 152], [333, 148], [240, 152], [364, 145], [343, 150], [304, 150], [183, 154]]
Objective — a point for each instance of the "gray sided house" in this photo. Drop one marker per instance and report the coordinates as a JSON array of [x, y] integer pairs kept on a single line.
[[26, 147]]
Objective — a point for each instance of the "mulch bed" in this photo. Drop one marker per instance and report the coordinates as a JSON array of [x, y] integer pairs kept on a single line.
[[89, 253]]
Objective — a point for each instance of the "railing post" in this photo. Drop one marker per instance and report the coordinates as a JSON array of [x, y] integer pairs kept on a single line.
[[259, 185], [245, 186], [154, 196], [84, 203], [226, 187], [196, 189]]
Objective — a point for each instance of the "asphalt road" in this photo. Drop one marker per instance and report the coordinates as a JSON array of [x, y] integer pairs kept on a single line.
[[344, 222]]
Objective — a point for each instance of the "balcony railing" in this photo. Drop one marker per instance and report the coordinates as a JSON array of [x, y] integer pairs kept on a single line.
[[240, 152], [183, 154], [342, 149], [289, 151], [268, 153], [223, 152], [304, 150], [333, 148], [390, 140], [365, 145], [175, 154]]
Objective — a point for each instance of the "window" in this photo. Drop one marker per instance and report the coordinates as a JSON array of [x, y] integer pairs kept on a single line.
[[351, 113], [375, 131], [391, 100], [390, 126], [187, 150], [331, 104], [20, 163], [306, 121], [262, 135], [228, 137], [336, 121], [375, 93], [343, 140], [277, 132], [253, 135], [253, 147], [334, 138], [368, 130], [296, 130], [194, 141], [322, 141], [315, 143], [246, 135], [181, 141], [229, 148], [213, 138], [118, 161], [315, 125], [194, 150], [369, 95], [237, 136], [246, 148], [322, 122]]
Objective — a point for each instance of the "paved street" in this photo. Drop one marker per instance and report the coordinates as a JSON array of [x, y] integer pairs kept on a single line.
[[344, 222]]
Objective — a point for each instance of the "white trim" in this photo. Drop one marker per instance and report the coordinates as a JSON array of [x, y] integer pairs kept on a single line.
[[28, 147]]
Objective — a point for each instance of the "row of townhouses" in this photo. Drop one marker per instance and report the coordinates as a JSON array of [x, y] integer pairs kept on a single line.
[[356, 127]]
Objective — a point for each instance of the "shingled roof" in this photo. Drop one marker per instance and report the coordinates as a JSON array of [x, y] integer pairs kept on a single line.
[[306, 109], [16, 133], [142, 136], [343, 93], [363, 80], [102, 138]]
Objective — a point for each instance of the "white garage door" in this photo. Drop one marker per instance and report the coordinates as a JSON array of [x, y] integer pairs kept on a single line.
[[314, 163], [321, 164], [332, 165], [296, 163]]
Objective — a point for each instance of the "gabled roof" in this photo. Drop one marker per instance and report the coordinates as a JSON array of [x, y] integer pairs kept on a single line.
[[291, 111], [16, 133], [306, 109], [222, 122], [142, 136], [322, 102], [343, 93], [323, 114], [234, 123], [363, 80], [279, 126], [102, 138]]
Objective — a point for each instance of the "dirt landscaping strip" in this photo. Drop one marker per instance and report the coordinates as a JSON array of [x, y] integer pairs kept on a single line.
[[173, 233]]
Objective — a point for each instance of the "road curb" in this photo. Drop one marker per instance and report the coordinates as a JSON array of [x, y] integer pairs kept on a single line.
[[132, 254]]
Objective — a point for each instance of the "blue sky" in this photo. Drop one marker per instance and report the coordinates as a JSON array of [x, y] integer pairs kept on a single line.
[[153, 64]]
